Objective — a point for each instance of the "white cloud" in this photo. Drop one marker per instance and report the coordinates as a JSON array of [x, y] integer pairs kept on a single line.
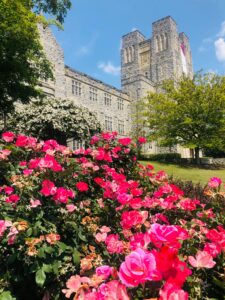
[[109, 68], [134, 29], [201, 49], [83, 50], [222, 30], [220, 49]]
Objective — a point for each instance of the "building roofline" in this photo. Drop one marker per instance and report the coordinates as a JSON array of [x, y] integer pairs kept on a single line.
[[164, 18], [133, 32], [183, 33], [95, 79]]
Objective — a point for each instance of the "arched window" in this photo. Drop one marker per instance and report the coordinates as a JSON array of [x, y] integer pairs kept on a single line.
[[127, 55], [162, 41], [165, 40], [157, 43], [131, 54]]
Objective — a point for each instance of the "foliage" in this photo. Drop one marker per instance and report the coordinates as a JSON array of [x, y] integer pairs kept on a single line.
[[55, 118], [214, 152], [94, 224], [189, 113], [164, 157], [22, 60], [57, 8]]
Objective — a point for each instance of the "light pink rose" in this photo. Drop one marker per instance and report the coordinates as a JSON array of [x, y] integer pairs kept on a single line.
[[113, 290], [202, 260], [172, 292]]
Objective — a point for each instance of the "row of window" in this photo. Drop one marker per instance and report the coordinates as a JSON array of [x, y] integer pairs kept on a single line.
[[109, 125], [93, 95]]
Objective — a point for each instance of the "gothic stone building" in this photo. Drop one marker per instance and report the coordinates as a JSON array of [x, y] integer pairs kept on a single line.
[[145, 63]]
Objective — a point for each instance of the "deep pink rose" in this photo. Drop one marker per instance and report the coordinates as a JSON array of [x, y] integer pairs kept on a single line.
[[104, 271], [12, 198], [167, 234], [82, 186], [214, 182], [139, 266], [142, 140], [8, 136], [48, 188], [125, 141]]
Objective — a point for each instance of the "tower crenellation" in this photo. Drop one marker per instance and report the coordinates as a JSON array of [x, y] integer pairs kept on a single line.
[[166, 55]]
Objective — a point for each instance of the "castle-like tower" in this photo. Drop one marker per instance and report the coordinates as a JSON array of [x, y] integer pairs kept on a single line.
[[145, 63]]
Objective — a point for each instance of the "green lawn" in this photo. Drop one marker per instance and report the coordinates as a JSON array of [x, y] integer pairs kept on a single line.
[[187, 173]]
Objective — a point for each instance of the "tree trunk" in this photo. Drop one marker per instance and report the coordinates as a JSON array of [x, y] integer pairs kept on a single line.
[[197, 158]]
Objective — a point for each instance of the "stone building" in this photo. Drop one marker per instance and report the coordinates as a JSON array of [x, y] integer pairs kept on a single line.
[[145, 63]]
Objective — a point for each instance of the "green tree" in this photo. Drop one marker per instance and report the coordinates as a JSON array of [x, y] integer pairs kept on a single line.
[[52, 118], [57, 8], [22, 60], [190, 112]]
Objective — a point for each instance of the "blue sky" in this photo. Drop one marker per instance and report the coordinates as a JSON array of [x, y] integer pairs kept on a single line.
[[93, 30]]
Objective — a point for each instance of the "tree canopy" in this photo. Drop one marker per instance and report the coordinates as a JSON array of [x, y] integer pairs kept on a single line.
[[52, 118], [57, 8], [22, 60], [190, 112]]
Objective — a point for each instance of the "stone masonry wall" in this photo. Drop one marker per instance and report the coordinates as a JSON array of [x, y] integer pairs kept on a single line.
[[109, 103]]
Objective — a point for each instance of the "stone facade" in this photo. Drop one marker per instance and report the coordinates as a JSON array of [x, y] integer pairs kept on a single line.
[[145, 63]]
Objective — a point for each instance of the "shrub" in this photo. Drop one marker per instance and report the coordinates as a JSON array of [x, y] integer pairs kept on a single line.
[[163, 157], [94, 224]]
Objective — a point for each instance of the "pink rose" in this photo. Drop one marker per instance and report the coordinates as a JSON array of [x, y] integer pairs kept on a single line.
[[48, 188], [125, 141], [82, 186], [113, 290], [214, 182], [104, 271], [71, 207], [8, 136], [74, 284], [35, 203], [142, 140], [172, 292], [167, 234], [139, 266], [202, 260]]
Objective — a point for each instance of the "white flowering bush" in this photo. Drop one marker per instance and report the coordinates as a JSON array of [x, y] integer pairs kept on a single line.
[[54, 118]]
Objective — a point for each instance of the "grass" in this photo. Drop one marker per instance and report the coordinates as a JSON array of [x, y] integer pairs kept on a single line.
[[194, 174]]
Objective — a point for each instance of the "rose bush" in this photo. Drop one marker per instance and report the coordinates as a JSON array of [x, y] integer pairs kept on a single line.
[[94, 224]]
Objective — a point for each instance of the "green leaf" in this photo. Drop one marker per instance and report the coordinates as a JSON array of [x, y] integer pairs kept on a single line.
[[29, 231], [76, 257], [40, 277], [82, 237], [62, 246], [6, 296], [47, 268]]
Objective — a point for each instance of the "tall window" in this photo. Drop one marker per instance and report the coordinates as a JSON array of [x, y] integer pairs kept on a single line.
[[107, 99], [93, 94], [76, 87], [121, 127], [120, 104], [108, 123], [77, 144]]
